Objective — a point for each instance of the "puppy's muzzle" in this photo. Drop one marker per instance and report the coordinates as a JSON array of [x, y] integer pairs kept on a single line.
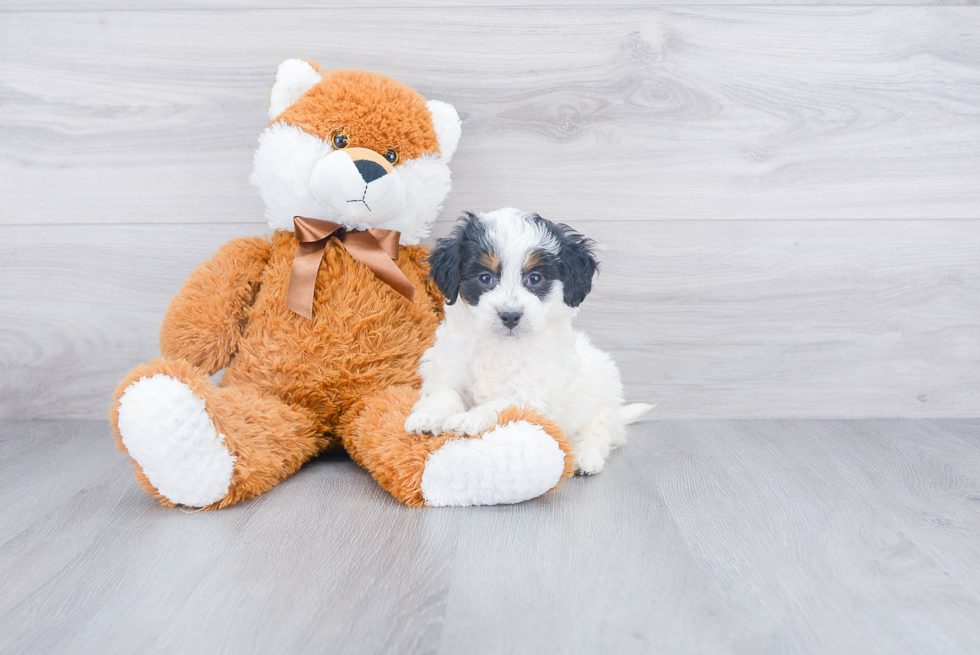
[[510, 319]]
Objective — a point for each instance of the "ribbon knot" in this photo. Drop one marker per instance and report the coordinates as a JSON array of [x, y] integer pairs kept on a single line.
[[376, 249]]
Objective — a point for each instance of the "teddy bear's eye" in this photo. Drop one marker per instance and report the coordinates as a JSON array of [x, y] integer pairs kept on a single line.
[[391, 156], [339, 141]]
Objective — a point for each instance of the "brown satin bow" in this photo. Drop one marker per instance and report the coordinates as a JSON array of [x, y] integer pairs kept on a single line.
[[376, 249]]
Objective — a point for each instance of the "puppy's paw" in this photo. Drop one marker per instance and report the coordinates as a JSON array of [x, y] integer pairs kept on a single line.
[[588, 461], [469, 423], [424, 422]]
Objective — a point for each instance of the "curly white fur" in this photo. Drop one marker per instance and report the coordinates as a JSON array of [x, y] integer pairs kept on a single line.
[[478, 366]]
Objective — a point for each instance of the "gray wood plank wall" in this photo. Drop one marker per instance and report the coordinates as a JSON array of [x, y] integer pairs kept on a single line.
[[788, 198]]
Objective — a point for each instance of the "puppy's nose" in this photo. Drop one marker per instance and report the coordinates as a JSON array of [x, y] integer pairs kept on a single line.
[[510, 319], [369, 170]]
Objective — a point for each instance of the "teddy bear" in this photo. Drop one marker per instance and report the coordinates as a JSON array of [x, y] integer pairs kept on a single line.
[[319, 328]]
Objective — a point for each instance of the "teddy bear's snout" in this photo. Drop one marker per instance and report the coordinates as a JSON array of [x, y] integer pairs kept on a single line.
[[359, 185], [369, 170]]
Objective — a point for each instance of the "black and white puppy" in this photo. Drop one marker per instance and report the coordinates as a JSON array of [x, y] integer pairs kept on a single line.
[[510, 341]]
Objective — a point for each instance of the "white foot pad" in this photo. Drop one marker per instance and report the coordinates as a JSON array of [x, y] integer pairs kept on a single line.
[[166, 430], [510, 464]]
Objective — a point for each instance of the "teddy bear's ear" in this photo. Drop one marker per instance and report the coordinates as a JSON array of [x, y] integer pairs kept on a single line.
[[448, 127], [293, 79]]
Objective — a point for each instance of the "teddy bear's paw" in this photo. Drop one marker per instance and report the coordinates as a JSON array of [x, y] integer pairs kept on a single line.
[[511, 463], [588, 461], [470, 423], [166, 429], [424, 422]]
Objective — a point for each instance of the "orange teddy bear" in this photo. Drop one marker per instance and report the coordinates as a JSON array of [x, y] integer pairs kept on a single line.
[[320, 329]]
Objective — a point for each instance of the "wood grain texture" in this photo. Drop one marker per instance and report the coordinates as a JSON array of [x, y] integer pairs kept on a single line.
[[706, 318], [154, 5], [633, 113], [706, 146], [699, 536], [753, 534], [26, 484]]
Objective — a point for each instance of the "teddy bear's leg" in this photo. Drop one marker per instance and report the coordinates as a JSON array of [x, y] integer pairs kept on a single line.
[[522, 457], [201, 446]]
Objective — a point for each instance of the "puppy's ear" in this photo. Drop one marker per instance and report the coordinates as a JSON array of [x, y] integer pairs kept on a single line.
[[577, 265], [446, 260]]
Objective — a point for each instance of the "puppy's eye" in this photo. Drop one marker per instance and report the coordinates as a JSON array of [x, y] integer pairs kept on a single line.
[[391, 156], [534, 278], [486, 278], [339, 141]]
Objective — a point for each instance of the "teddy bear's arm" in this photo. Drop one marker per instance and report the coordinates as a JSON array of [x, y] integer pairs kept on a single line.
[[206, 317]]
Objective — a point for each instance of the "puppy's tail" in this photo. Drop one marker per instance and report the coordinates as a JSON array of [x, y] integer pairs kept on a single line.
[[632, 413]]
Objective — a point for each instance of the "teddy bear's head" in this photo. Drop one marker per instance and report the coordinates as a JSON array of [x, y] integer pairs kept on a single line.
[[355, 148]]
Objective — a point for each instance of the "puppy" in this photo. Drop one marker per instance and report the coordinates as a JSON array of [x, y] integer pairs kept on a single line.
[[511, 342]]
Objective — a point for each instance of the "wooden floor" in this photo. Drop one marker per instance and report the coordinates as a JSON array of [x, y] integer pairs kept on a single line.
[[700, 536]]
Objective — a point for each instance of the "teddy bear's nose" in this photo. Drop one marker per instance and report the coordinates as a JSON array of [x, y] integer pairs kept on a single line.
[[369, 170]]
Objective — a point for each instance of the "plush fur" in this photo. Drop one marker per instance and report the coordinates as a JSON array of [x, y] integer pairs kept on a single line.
[[510, 340], [298, 171], [294, 387]]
